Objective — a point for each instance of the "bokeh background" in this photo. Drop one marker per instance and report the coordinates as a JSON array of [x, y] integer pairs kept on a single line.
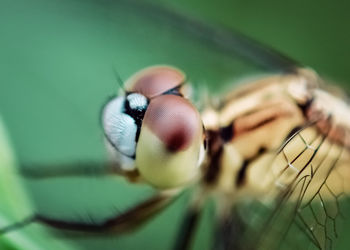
[[56, 72]]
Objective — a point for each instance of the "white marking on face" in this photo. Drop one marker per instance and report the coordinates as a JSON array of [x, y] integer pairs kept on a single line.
[[120, 128], [137, 101]]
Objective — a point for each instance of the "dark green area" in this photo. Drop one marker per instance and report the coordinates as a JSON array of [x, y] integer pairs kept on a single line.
[[56, 71]]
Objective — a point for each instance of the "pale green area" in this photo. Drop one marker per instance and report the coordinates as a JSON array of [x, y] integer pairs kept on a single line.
[[56, 60], [15, 205]]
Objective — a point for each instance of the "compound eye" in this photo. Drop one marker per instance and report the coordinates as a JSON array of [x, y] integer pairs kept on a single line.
[[168, 153], [122, 119], [156, 80]]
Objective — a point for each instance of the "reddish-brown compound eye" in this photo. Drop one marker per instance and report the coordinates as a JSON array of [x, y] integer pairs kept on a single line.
[[174, 121], [169, 148], [155, 80]]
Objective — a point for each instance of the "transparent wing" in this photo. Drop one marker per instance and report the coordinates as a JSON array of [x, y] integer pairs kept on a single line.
[[307, 187]]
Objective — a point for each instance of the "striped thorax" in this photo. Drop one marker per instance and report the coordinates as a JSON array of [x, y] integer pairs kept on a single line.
[[274, 132]]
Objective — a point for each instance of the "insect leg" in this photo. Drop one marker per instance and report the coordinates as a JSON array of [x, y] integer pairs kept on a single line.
[[187, 229], [67, 169], [189, 223], [120, 223], [227, 229]]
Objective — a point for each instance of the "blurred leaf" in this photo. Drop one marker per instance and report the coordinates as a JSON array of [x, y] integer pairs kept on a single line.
[[15, 205]]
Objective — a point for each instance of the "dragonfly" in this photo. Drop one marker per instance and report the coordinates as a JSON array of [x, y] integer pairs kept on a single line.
[[279, 142]]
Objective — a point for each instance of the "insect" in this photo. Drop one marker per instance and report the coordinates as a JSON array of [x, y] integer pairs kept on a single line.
[[273, 141], [299, 153]]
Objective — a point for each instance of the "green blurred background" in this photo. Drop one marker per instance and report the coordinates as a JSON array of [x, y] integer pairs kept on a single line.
[[56, 60]]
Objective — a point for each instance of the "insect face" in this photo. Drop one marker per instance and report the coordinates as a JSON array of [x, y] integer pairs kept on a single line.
[[154, 130]]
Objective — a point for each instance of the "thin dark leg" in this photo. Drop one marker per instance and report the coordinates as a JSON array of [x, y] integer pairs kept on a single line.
[[17, 225], [67, 169], [228, 233], [187, 229], [120, 223]]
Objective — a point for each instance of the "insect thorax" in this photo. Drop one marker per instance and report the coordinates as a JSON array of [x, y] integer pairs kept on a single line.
[[263, 125]]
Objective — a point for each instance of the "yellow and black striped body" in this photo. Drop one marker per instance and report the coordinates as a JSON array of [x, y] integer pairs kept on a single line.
[[276, 141]]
